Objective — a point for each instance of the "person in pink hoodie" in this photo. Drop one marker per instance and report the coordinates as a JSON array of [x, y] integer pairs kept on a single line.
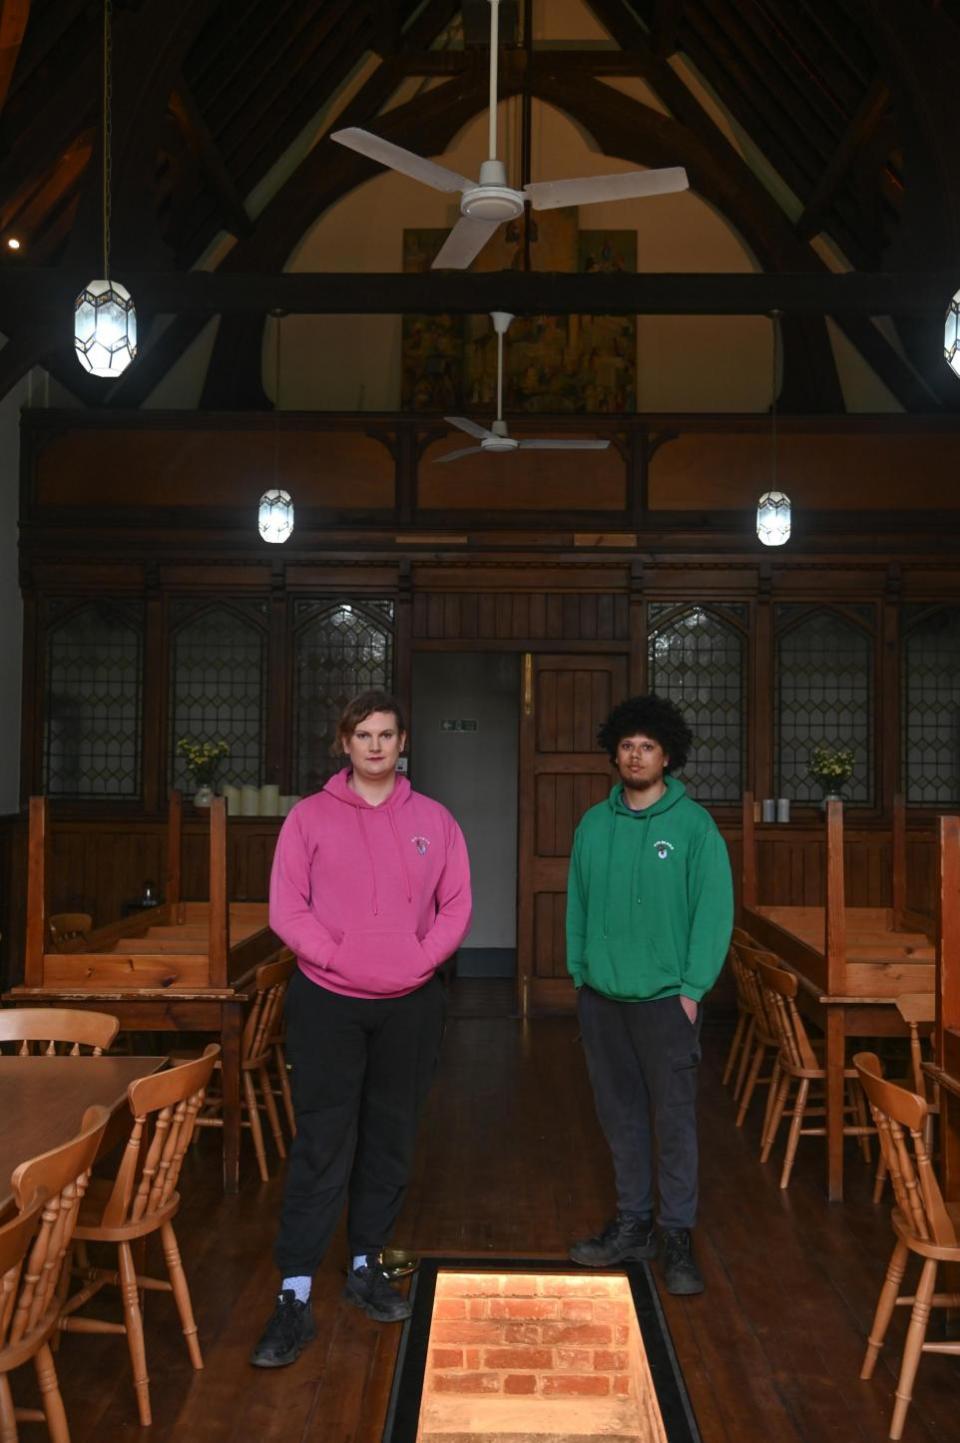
[[371, 889]]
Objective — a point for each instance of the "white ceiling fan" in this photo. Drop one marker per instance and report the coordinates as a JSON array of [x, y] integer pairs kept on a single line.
[[487, 203], [496, 439]]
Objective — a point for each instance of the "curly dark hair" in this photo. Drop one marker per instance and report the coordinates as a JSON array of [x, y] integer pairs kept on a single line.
[[651, 716]]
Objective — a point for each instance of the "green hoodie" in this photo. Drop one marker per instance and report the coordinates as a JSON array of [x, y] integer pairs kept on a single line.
[[649, 899]]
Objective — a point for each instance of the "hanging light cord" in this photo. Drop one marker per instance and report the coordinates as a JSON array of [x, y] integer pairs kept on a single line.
[[775, 366], [107, 133]]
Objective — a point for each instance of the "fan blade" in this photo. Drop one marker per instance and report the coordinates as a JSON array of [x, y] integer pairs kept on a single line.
[[555, 443], [396, 158], [466, 240], [631, 185], [463, 423], [455, 455]]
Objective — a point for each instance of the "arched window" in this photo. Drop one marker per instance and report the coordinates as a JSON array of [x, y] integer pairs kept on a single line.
[[931, 705], [217, 686], [696, 659], [340, 648], [93, 711], [824, 694]]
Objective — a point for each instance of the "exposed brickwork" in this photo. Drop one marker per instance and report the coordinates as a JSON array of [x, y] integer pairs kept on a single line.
[[551, 1337]]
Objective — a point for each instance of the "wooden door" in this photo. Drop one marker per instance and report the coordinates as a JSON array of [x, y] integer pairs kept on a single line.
[[562, 773]]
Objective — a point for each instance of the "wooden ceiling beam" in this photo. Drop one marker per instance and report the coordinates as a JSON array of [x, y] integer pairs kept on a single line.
[[14, 15], [229, 200], [862, 127], [725, 293]]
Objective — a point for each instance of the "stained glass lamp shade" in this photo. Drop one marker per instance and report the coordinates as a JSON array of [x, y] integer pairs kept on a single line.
[[773, 518], [105, 328], [275, 517]]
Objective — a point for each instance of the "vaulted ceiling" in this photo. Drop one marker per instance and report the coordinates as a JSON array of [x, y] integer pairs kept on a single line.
[[848, 109]]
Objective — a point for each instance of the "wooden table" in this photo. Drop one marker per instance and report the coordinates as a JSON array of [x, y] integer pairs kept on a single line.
[[43, 1099], [181, 967], [852, 964]]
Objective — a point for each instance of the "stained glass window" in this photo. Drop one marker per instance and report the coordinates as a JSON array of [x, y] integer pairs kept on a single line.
[[931, 706], [217, 687], [341, 648], [93, 720], [697, 660], [824, 694]]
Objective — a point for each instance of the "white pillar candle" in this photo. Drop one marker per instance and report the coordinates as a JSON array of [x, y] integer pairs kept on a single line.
[[269, 800], [287, 804], [231, 795], [250, 801]]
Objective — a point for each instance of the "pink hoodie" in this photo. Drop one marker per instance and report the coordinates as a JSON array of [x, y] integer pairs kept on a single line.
[[371, 899]]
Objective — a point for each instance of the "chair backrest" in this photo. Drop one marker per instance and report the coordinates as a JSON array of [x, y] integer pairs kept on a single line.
[[149, 1170], [780, 991], [48, 1190], [66, 929], [263, 1019], [49, 1029], [767, 1021], [900, 1117], [914, 1008]]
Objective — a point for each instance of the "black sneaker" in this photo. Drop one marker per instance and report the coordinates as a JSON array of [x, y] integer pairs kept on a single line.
[[680, 1273], [627, 1239], [289, 1330], [369, 1288]]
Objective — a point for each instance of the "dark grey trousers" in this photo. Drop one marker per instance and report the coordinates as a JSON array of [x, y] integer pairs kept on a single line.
[[643, 1058], [360, 1069]]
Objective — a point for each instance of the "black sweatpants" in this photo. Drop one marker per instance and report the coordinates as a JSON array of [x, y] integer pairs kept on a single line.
[[642, 1058], [360, 1071]]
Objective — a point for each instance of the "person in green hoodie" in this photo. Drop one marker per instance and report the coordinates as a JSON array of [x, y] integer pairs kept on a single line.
[[649, 918]]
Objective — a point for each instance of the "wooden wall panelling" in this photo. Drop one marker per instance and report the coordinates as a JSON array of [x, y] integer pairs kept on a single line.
[[278, 768], [31, 701], [13, 849], [520, 616]]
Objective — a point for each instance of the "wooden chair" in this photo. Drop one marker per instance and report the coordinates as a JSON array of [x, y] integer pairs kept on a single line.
[[915, 1008], [278, 1048], [746, 1021], [33, 1247], [143, 1199], [47, 1029], [923, 1224], [764, 1043], [258, 1050], [800, 1063], [69, 930]]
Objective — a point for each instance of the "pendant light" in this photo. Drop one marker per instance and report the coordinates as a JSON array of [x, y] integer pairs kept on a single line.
[[951, 335], [275, 513], [773, 508], [104, 316]]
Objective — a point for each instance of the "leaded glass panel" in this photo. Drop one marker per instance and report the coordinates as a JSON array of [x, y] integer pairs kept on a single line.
[[344, 649], [697, 661], [931, 709], [93, 714], [824, 694], [217, 691]]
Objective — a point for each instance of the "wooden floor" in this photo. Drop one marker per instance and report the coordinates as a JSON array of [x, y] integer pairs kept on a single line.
[[511, 1161]]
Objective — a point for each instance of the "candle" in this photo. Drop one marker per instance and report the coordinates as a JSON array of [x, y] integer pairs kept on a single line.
[[250, 801], [269, 800], [231, 796], [287, 804]]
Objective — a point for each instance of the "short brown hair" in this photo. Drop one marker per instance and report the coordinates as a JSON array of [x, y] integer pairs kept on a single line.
[[363, 706]]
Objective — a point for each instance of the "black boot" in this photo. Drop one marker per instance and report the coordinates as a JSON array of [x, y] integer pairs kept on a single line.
[[628, 1239], [288, 1331], [368, 1287], [680, 1273]]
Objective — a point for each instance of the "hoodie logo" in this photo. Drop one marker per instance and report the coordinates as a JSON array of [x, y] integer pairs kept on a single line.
[[421, 844], [663, 849]]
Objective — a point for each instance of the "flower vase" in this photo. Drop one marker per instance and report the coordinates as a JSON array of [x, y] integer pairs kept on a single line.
[[831, 793], [203, 796]]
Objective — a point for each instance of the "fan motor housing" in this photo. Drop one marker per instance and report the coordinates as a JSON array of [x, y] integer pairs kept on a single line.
[[498, 443]]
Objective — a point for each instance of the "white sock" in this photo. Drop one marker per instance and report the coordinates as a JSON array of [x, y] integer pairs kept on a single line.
[[361, 1260], [299, 1286]]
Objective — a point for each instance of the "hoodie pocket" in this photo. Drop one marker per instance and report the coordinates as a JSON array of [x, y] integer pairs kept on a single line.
[[380, 962]]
